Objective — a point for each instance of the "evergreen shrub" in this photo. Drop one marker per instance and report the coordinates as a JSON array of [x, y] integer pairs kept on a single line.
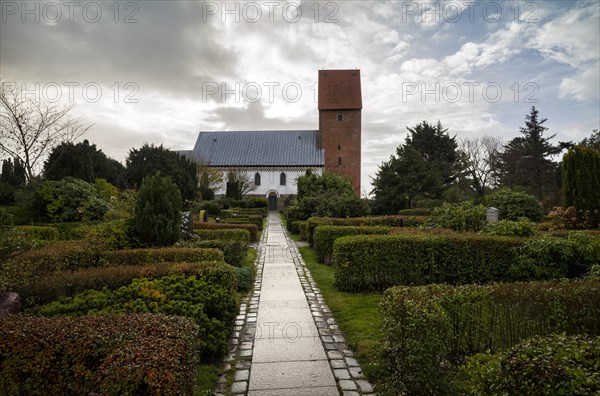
[[429, 331]]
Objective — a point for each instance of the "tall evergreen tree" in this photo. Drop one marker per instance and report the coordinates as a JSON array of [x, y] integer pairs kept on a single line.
[[581, 178], [149, 159], [425, 166], [13, 173], [526, 161], [83, 161]]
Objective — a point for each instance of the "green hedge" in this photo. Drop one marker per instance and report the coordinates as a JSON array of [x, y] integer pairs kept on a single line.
[[210, 305], [384, 221], [229, 213], [112, 235], [36, 264], [429, 331], [68, 283], [224, 234], [256, 220], [325, 236], [41, 233], [557, 364], [376, 262], [251, 228], [114, 355], [303, 227], [234, 251], [160, 255], [415, 212]]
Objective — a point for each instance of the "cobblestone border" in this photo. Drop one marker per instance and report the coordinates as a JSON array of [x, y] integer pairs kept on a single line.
[[240, 342], [346, 370]]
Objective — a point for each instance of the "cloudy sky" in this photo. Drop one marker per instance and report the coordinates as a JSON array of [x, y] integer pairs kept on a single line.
[[160, 71]]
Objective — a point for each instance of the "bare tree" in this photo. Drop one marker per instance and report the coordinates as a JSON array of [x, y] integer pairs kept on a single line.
[[239, 184], [30, 127], [481, 162]]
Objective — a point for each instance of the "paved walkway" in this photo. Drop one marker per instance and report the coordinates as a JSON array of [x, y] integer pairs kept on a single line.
[[285, 341]]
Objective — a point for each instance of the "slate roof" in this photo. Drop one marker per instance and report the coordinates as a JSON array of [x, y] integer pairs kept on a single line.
[[258, 148]]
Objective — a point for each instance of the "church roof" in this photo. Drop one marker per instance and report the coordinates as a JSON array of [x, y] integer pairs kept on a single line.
[[258, 148]]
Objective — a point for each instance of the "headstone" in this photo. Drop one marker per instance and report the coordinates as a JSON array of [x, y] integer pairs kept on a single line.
[[492, 215], [187, 224], [9, 303]]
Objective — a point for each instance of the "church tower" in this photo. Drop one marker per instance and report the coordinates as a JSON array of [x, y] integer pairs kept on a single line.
[[340, 105]]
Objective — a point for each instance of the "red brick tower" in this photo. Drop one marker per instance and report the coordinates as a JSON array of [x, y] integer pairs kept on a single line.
[[340, 105]]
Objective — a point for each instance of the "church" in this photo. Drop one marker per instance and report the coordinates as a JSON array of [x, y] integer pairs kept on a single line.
[[273, 160]]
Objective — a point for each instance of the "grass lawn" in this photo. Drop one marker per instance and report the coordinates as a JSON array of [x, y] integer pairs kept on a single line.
[[357, 314]]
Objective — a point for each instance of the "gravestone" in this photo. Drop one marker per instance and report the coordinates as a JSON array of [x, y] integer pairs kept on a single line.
[[492, 215]]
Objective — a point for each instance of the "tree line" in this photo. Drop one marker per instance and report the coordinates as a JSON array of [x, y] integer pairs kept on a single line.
[[432, 167]]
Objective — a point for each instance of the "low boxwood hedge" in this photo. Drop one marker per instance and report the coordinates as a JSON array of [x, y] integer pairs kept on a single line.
[[385, 221], [325, 236], [36, 264], [251, 228], [210, 305], [110, 355], [224, 234], [234, 251], [376, 262], [256, 220], [68, 283], [428, 331], [557, 364], [41, 233]]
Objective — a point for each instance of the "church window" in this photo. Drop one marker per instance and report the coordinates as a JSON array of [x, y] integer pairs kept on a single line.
[[257, 179], [339, 146], [340, 117], [282, 179], [340, 161]]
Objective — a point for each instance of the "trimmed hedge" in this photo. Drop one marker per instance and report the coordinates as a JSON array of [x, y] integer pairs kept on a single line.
[[429, 331], [376, 262], [122, 354], [41, 233], [256, 220], [225, 235], [211, 306], [553, 365], [68, 283], [234, 251], [303, 227], [384, 221], [160, 255], [251, 228], [36, 264], [325, 236], [415, 212]]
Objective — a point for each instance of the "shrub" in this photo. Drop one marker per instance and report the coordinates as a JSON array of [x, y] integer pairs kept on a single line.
[[112, 235], [459, 217], [157, 215], [513, 205], [224, 234], [212, 207], [251, 228], [553, 365], [384, 221], [325, 236], [234, 251], [159, 255], [245, 276], [40, 233], [523, 227], [428, 331], [121, 354], [71, 199], [581, 179], [68, 283], [303, 227], [415, 212], [375, 262], [212, 307], [260, 202], [294, 227]]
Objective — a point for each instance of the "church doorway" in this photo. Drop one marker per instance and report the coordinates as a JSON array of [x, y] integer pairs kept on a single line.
[[272, 201]]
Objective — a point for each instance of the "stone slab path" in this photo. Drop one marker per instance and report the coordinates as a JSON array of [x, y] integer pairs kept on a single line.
[[285, 341]]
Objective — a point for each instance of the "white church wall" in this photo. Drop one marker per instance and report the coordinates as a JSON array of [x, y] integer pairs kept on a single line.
[[270, 181]]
